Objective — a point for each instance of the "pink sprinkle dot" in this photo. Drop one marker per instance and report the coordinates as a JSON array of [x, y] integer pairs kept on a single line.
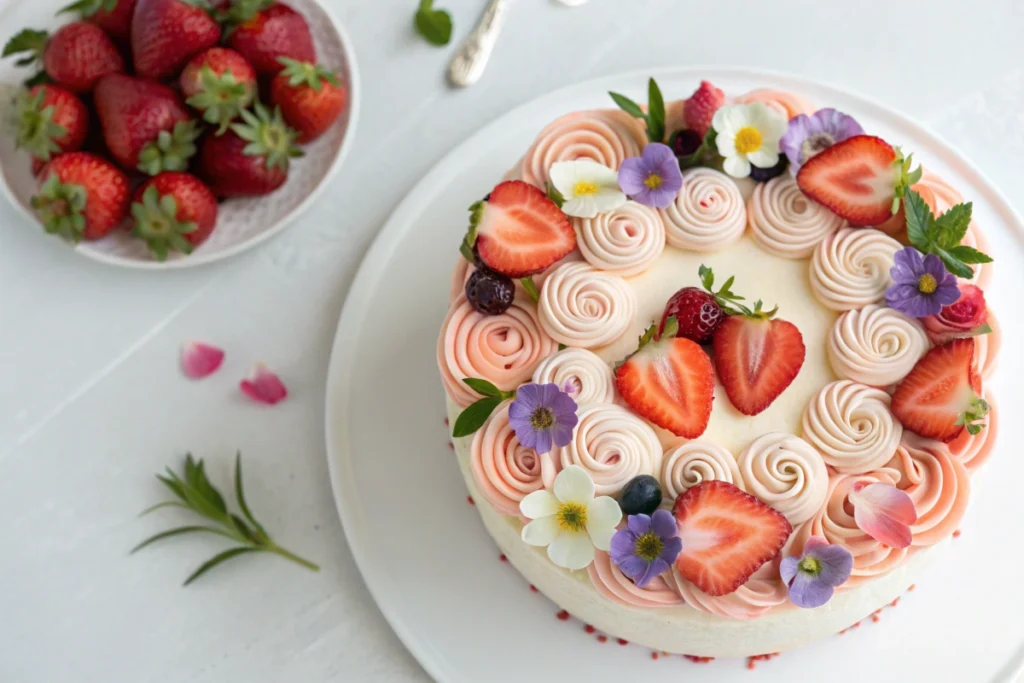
[[562, 615]]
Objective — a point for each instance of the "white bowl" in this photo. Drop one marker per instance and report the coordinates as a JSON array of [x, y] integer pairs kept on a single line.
[[241, 223]]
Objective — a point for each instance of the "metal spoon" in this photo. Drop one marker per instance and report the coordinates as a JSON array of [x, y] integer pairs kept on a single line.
[[470, 60]]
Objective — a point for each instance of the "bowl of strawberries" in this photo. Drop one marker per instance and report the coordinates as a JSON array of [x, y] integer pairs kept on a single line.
[[172, 133]]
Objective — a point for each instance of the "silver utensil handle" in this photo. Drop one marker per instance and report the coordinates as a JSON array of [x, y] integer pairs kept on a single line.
[[470, 60]]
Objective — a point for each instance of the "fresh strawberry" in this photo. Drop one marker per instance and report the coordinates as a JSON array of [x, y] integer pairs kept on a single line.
[[252, 158], [81, 195], [311, 97], [145, 124], [167, 33], [697, 313], [669, 381], [727, 535], [173, 212], [51, 120], [265, 30], [516, 230], [76, 56], [860, 179], [757, 357], [940, 396], [113, 16], [220, 84], [701, 106]]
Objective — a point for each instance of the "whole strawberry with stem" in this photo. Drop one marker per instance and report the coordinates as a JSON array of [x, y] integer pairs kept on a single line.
[[81, 196], [168, 33], [265, 30], [145, 124], [311, 97], [75, 57], [51, 120], [219, 83], [173, 212], [252, 158], [113, 16]]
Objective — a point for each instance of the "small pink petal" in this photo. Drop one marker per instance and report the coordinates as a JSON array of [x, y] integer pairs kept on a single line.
[[884, 513], [199, 359], [814, 542], [263, 386]]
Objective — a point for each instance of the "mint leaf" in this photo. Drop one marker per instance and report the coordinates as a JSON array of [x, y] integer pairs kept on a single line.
[[554, 195], [953, 264], [707, 278], [435, 25], [655, 112], [473, 417], [952, 225], [969, 254], [629, 106], [482, 386], [919, 220], [531, 288]]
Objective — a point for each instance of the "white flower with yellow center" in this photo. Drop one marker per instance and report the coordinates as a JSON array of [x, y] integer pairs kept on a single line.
[[589, 188], [748, 134], [569, 520]]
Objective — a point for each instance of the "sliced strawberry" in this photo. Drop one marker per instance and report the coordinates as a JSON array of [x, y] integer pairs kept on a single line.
[[856, 179], [518, 231], [669, 382], [757, 358], [940, 396], [727, 536]]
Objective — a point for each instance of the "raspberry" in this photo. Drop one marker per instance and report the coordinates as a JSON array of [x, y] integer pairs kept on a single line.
[[701, 107], [697, 313]]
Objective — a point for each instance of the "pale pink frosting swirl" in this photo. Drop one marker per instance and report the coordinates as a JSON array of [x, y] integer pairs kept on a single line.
[[762, 591], [973, 450], [709, 213], [850, 268], [590, 377], [623, 241], [607, 136], [583, 306], [694, 462], [986, 347], [785, 221], [503, 349], [610, 582], [786, 103], [938, 483], [875, 345], [785, 472], [613, 445], [504, 471], [851, 425]]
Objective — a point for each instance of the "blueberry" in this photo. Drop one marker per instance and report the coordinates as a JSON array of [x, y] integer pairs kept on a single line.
[[763, 175], [641, 496], [489, 292]]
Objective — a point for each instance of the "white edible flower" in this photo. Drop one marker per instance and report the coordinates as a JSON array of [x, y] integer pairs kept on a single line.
[[569, 520], [589, 188], [748, 134]]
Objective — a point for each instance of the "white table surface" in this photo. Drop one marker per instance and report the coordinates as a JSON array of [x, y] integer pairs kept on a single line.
[[92, 402]]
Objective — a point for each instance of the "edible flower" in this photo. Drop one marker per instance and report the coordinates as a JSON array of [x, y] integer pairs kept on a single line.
[[654, 178], [921, 284], [263, 386], [647, 547], [966, 317], [542, 415], [569, 520], [809, 135], [199, 359], [813, 577], [748, 134], [586, 187], [883, 512]]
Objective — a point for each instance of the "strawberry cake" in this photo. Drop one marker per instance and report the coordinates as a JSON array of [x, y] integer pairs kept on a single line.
[[717, 368]]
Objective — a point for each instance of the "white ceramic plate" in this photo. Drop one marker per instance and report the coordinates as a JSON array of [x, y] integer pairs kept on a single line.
[[241, 223], [422, 549]]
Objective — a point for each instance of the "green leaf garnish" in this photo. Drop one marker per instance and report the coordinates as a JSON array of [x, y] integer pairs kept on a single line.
[[705, 155], [195, 492], [435, 25], [554, 195], [531, 288], [729, 300], [942, 236], [483, 387], [977, 409], [654, 117], [473, 417]]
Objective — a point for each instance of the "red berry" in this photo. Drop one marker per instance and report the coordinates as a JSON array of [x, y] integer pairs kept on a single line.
[[700, 108], [697, 313], [855, 179], [757, 358]]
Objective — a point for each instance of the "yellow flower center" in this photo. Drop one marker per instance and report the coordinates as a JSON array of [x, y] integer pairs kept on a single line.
[[653, 181], [810, 565], [748, 140], [649, 546], [572, 517], [542, 418], [927, 284], [584, 187]]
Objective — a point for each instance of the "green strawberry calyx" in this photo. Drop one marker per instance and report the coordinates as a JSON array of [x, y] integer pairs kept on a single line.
[[307, 74], [37, 131], [268, 136], [28, 42], [237, 12], [729, 301], [87, 8], [222, 98], [61, 207], [156, 221], [171, 149]]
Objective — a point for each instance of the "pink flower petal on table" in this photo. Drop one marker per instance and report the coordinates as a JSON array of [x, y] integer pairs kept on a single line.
[[884, 513], [199, 359], [263, 386]]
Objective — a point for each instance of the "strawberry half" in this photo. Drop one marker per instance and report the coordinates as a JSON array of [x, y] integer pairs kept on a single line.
[[516, 230], [940, 396], [669, 382], [860, 179], [727, 535]]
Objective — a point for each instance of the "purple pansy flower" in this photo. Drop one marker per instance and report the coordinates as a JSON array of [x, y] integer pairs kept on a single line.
[[812, 578], [542, 415], [809, 135], [653, 178], [921, 284], [647, 547]]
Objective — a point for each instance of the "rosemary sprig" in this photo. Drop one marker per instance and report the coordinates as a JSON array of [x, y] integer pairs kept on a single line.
[[195, 492]]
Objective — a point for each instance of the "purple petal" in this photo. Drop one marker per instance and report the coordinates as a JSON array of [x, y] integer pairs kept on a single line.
[[947, 294], [632, 174], [800, 127], [622, 546], [807, 591], [561, 434], [564, 409], [836, 564], [658, 156], [911, 259], [654, 570], [633, 566], [639, 524], [837, 124], [528, 395], [526, 435], [664, 524], [673, 546], [547, 394], [661, 198], [788, 568], [907, 299], [544, 441], [519, 411]]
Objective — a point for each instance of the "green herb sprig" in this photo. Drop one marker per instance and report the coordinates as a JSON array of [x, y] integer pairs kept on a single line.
[[194, 492], [473, 417], [654, 117], [705, 155], [435, 25], [942, 236], [729, 300]]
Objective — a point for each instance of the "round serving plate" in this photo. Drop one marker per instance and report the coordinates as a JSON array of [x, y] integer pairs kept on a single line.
[[422, 549], [241, 223]]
